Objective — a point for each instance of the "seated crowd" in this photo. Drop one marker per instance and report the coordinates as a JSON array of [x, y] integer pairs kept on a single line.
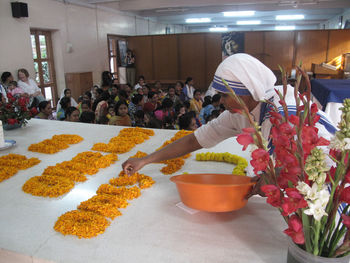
[[179, 107]]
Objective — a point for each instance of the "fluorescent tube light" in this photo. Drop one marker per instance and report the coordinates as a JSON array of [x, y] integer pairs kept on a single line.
[[239, 13], [289, 17], [249, 22], [284, 27], [198, 20], [218, 29]]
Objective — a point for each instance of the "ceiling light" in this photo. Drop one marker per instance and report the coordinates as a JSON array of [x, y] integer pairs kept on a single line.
[[284, 27], [239, 13], [289, 17], [198, 20], [249, 22], [218, 29]]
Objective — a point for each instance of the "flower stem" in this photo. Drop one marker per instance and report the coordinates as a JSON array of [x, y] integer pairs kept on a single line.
[[316, 237], [306, 224]]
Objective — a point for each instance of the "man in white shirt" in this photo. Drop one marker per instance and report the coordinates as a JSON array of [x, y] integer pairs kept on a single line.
[[253, 82]]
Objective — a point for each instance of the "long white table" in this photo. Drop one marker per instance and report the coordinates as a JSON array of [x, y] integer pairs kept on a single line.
[[151, 229]]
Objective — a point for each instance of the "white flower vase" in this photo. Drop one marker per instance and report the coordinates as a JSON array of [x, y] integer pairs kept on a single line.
[[298, 255]]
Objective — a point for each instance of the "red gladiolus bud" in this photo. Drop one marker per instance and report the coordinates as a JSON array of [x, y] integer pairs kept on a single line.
[[346, 220], [345, 195]]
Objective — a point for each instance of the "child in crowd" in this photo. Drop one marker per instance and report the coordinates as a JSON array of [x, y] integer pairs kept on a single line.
[[65, 104], [165, 110], [72, 114], [145, 91], [188, 90], [14, 89], [135, 105], [102, 106], [139, 119], [140, 83], [85, 106], [188, 122], [122, 118], [152, 103], [207, 110], [172, 95], [196, 102], [214, 114], [87, 117], [111, 111]]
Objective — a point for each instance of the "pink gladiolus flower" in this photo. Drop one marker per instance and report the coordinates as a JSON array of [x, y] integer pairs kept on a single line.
[[273, 194], [245, 139]]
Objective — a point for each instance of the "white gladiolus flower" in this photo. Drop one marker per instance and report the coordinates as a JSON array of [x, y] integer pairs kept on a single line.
[[337, 144], [303, 188], [347, 143], [316, 210]]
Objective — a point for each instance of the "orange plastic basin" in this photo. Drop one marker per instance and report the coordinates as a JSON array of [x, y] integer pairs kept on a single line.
[[213, 192]]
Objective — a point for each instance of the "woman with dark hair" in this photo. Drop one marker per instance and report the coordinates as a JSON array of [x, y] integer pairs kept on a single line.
[[67, 93], [188, 90], [165, 110], [45, 111], [72, 114], [107, 80], [152, 103], [196, 102], [87, 117], [65, 104], [121, 118], [29, 86], [188, 122], [102, 106], [98, 94]]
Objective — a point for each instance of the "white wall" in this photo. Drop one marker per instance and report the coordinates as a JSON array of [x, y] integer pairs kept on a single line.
[[84, 27]]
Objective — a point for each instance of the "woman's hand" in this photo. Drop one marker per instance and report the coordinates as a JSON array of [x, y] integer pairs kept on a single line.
[[132, 165]]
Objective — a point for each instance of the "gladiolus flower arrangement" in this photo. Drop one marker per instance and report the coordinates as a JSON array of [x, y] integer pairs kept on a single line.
[[303, 175]]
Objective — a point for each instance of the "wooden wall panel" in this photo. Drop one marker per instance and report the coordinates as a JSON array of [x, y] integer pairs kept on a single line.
[[311, 47], [339, 43], [78, 83], [279, 49], [192, 58], [213, 56], [254, 44], [165, 57], [142, 48]]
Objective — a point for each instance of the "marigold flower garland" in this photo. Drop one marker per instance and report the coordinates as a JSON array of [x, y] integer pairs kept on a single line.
[[11, 163], [60, 179], [55, 144], [89, 221], [125, 141], [240, 162], [176, 164]]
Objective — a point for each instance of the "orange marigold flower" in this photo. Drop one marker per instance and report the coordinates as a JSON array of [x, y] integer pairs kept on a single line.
[[55, 144], [83, 224], [48, 185]]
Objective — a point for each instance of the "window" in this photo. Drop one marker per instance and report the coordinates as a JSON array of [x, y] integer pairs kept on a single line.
[[44, 64], [116, 52]]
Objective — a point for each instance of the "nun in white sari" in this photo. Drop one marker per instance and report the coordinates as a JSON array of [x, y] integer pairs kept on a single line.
[[253, 82]]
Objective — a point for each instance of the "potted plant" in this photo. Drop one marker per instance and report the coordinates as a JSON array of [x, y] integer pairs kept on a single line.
[[312, 196]]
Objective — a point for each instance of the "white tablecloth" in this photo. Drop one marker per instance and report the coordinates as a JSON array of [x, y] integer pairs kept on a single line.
[[151, 229]]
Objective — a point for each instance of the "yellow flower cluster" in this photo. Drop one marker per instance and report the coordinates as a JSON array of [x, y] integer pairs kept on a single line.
[[104, 204], [60, 179], [11, 163], [144, 181], [83, 224], [123, 192], [89, 220], [176, 164], [125, 141], [240, 162], [55, 144], [139, 154]]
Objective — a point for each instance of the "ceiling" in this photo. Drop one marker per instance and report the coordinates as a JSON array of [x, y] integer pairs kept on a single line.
[[176, 11]]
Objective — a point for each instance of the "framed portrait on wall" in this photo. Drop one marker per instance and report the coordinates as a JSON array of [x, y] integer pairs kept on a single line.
[[122, 48], [232, 43]]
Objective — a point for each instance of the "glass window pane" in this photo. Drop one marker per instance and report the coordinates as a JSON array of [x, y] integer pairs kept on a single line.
[[32, 38], [36, 68], [46, 72], [48, 93], [113, 63], [43, 51]]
